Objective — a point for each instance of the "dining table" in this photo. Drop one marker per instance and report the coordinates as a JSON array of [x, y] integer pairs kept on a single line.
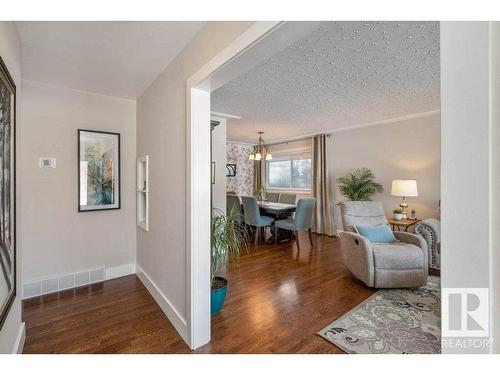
[[279, 211], [276, 209]]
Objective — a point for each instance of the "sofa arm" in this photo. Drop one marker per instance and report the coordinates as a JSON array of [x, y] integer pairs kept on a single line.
[[429, 229], [357, 255], [414, 240]]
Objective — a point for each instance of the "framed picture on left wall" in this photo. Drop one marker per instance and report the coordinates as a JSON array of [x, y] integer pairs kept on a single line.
[[7, 192], [98, 170]]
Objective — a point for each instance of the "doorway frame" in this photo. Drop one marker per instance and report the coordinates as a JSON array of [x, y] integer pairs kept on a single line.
[[198, 89], [199, 86]]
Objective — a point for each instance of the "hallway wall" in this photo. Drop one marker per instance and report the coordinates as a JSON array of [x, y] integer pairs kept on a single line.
[[161, 133], [62, 240]]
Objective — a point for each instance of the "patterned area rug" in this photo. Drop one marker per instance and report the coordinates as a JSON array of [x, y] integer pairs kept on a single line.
[[397, 321]]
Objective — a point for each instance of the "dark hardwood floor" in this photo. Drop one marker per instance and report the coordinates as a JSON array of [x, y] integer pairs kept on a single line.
[[278, 298]]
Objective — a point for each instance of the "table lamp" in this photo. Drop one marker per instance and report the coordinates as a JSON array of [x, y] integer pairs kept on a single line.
[[404, 188]]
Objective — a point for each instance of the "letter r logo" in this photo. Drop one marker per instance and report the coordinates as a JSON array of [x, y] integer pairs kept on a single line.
[[465, 312]]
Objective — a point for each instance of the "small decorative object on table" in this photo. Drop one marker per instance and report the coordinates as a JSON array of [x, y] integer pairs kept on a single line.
[[260, 193], [413, 214], [398, 214]]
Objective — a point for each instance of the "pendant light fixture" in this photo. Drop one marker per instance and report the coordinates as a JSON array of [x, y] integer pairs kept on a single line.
[[260, 150]]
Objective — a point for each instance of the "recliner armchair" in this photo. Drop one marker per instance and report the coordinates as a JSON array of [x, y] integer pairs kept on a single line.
[[400, 264]]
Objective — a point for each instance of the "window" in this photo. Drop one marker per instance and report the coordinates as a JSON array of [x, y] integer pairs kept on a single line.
[[290, 173]]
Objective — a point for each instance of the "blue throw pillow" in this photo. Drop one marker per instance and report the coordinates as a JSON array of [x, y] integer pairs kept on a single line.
[[377, 234]]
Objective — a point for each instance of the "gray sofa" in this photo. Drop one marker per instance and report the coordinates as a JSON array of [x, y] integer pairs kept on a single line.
[[401, 264], [430, 230]]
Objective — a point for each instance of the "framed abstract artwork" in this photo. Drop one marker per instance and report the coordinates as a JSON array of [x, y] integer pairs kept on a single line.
[[7, 192], [98, 170], [230, 170]]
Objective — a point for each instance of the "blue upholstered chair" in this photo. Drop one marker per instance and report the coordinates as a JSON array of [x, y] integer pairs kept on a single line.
[[253, 217], [287, 198], [301, 221], [234, 201]]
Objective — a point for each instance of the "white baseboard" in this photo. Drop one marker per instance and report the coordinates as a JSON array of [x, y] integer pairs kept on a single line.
[[21, 337], [168, 308], [57, 283], [119, 271]]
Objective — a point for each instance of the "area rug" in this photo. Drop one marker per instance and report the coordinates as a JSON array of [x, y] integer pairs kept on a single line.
[[394, 321]]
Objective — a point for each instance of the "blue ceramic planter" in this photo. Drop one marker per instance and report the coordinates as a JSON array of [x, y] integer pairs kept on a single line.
[[217, 297]]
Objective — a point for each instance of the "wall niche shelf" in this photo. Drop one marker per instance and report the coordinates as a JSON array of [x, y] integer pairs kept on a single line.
[[142, 189]]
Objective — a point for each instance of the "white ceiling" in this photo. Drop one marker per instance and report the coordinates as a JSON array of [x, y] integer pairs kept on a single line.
[[111, 58], [342, 74]]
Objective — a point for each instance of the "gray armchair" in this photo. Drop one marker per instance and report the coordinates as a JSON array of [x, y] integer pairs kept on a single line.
[[401, 264]]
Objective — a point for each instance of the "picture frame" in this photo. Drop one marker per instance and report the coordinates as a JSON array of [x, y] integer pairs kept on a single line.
[[8, 239], [230, 170], [99, 185]]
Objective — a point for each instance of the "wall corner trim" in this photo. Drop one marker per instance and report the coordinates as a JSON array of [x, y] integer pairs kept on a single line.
[[21, 337], [167, 307]]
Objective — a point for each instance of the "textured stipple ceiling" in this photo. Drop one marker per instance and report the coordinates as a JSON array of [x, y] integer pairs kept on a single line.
[[342, 74]]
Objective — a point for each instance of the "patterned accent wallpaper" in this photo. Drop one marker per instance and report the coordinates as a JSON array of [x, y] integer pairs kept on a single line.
[[242, 183]]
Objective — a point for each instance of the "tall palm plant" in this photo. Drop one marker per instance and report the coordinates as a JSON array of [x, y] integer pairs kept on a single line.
[[228, 238], [360, 185]]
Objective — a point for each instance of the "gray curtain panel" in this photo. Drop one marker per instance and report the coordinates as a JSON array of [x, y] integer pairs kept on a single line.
[[257, 174], [323, 185]]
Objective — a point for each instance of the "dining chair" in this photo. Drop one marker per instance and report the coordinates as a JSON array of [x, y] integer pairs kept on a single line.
[[234, 201], [273, 197], [230, 192], [253, 217], [287, 198], [301, 221]]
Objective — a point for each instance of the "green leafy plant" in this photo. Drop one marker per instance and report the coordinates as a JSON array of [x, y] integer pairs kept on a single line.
[[360, 185], [397, 211], [228, 238], [260, 192]]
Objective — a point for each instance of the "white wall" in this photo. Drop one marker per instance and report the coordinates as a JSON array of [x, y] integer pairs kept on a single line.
[[161, 133], [408, 149], [10, 51], [495, 169], [219, 157], [58, 239], [402, 149], [469, 79]]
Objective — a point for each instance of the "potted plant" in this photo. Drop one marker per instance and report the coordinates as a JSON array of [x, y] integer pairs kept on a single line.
[[260, 193], [360, 185], [398, 214], [228, 237]]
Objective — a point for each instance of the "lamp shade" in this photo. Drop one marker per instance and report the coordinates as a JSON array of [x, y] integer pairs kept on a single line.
[[404, 188]]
